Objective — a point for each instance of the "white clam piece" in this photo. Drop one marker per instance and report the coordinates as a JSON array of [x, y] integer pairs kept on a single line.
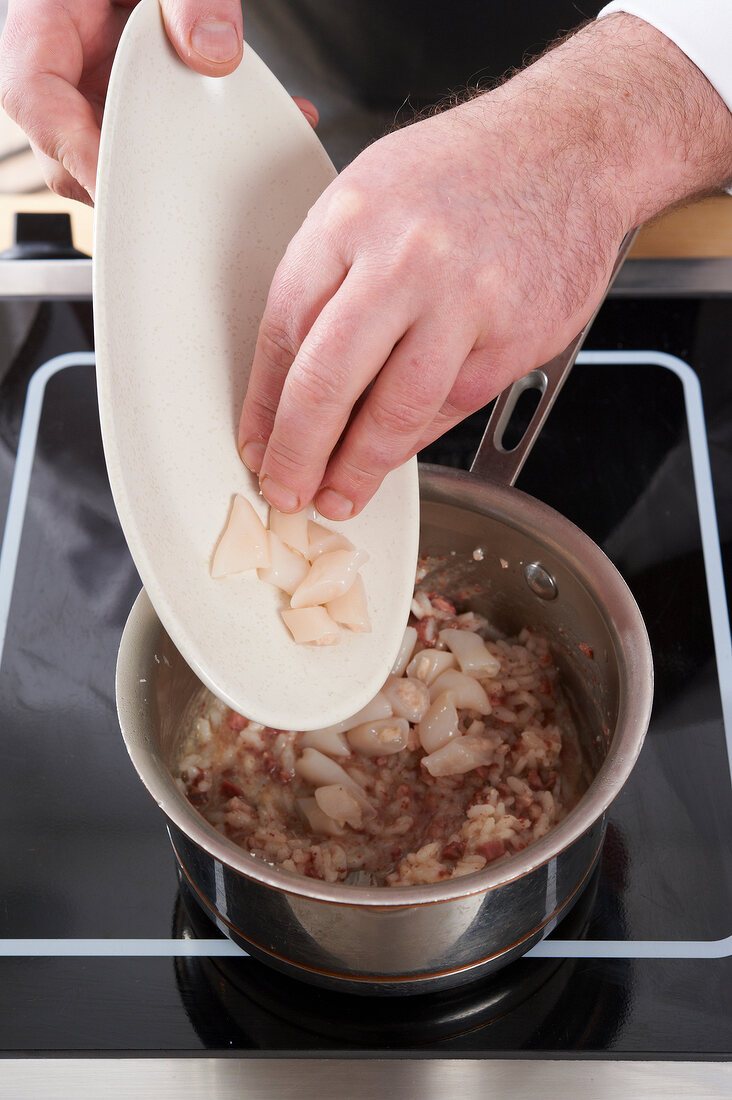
[[243, 544], [318, 821], [383, 737], [471, 652], [406, 650], [311, 626], [329, 576], [440, 724], [409, 698], [428, 664], [320, 771], [287, 568], [465, 690], [459, 756], [351, 609], [331, 742], [291, 528], [378, 707], [321, 540], [339, 802]]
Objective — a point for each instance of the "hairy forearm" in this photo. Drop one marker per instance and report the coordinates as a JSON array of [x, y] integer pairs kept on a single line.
[[628, 116]]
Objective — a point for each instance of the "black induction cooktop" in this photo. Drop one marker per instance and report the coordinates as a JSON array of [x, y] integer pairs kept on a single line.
[[103, 953]]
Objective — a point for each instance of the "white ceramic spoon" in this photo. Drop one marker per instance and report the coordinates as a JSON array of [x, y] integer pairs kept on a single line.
[[202, 183]]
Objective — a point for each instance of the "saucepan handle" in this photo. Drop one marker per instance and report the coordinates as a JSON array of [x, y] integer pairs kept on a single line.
[[493, 461]]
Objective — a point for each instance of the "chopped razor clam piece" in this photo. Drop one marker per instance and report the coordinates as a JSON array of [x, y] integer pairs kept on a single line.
[[465, 690], [292, 529], [409, 698], [320, 771], [322, 541], [330, 741], [350, 609], [311, 625], [459, 756], [317, 820], [471, 652], [428, 664], [243, 543], [338, 802], [440, 723], [406, 650], [378, 707], [287, 568], [329, 576], [380, 738]]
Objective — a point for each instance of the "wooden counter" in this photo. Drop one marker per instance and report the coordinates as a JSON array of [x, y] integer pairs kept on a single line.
[[700, 229]]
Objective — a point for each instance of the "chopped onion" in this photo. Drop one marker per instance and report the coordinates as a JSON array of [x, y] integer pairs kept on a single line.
[[350, 609], [465, 690], [311, 625], [329, 576], [409, 698], [338, 802], [243, 543], [471, 652], [383, 737], [321, 540], [459, 756], [440, 723], [291, 528], [428, 664], [287, 568], [406, 650], [330, 741]]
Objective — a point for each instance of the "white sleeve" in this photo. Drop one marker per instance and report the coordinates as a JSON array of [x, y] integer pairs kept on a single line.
[[701, 28]]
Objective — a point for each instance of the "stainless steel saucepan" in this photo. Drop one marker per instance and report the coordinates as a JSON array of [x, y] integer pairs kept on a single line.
[[536, 569]]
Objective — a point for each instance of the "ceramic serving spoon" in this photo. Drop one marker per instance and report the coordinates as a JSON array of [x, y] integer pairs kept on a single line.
[[202, 182]]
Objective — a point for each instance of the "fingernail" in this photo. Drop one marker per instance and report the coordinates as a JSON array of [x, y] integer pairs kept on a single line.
[[279, 495], [215, 41], [333, 505], [252, 455]]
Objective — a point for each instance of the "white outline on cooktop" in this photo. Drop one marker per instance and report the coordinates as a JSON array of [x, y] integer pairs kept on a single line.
[[564, 949]]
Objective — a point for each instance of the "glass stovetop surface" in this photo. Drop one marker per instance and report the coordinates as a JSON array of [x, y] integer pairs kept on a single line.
[[640, 966]]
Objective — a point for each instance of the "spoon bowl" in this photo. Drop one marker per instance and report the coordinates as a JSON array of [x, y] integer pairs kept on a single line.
[[202, 183]]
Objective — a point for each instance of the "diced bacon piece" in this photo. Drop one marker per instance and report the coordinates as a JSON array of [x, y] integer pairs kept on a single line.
[[287, 568], [292, 529], [311, 626], [492, 849], [351, 609], [243, 544], [321, 540], [329, 576]]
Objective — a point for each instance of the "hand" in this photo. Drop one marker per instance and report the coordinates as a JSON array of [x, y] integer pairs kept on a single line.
[[55, 61], [455, 255]]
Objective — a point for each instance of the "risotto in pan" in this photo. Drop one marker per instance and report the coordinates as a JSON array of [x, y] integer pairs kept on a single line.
[[467, 755]]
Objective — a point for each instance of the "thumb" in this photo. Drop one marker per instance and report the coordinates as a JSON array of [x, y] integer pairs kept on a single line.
[[206, 35]]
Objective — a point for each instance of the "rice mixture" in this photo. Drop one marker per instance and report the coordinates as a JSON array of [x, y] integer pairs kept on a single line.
[[466, 756]]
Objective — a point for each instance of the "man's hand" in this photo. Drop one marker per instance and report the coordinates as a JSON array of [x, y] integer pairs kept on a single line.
[[55, 61], [455, 255]]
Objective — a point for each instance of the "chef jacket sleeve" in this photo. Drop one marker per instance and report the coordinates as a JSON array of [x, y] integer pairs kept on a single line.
[[701, 28]]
